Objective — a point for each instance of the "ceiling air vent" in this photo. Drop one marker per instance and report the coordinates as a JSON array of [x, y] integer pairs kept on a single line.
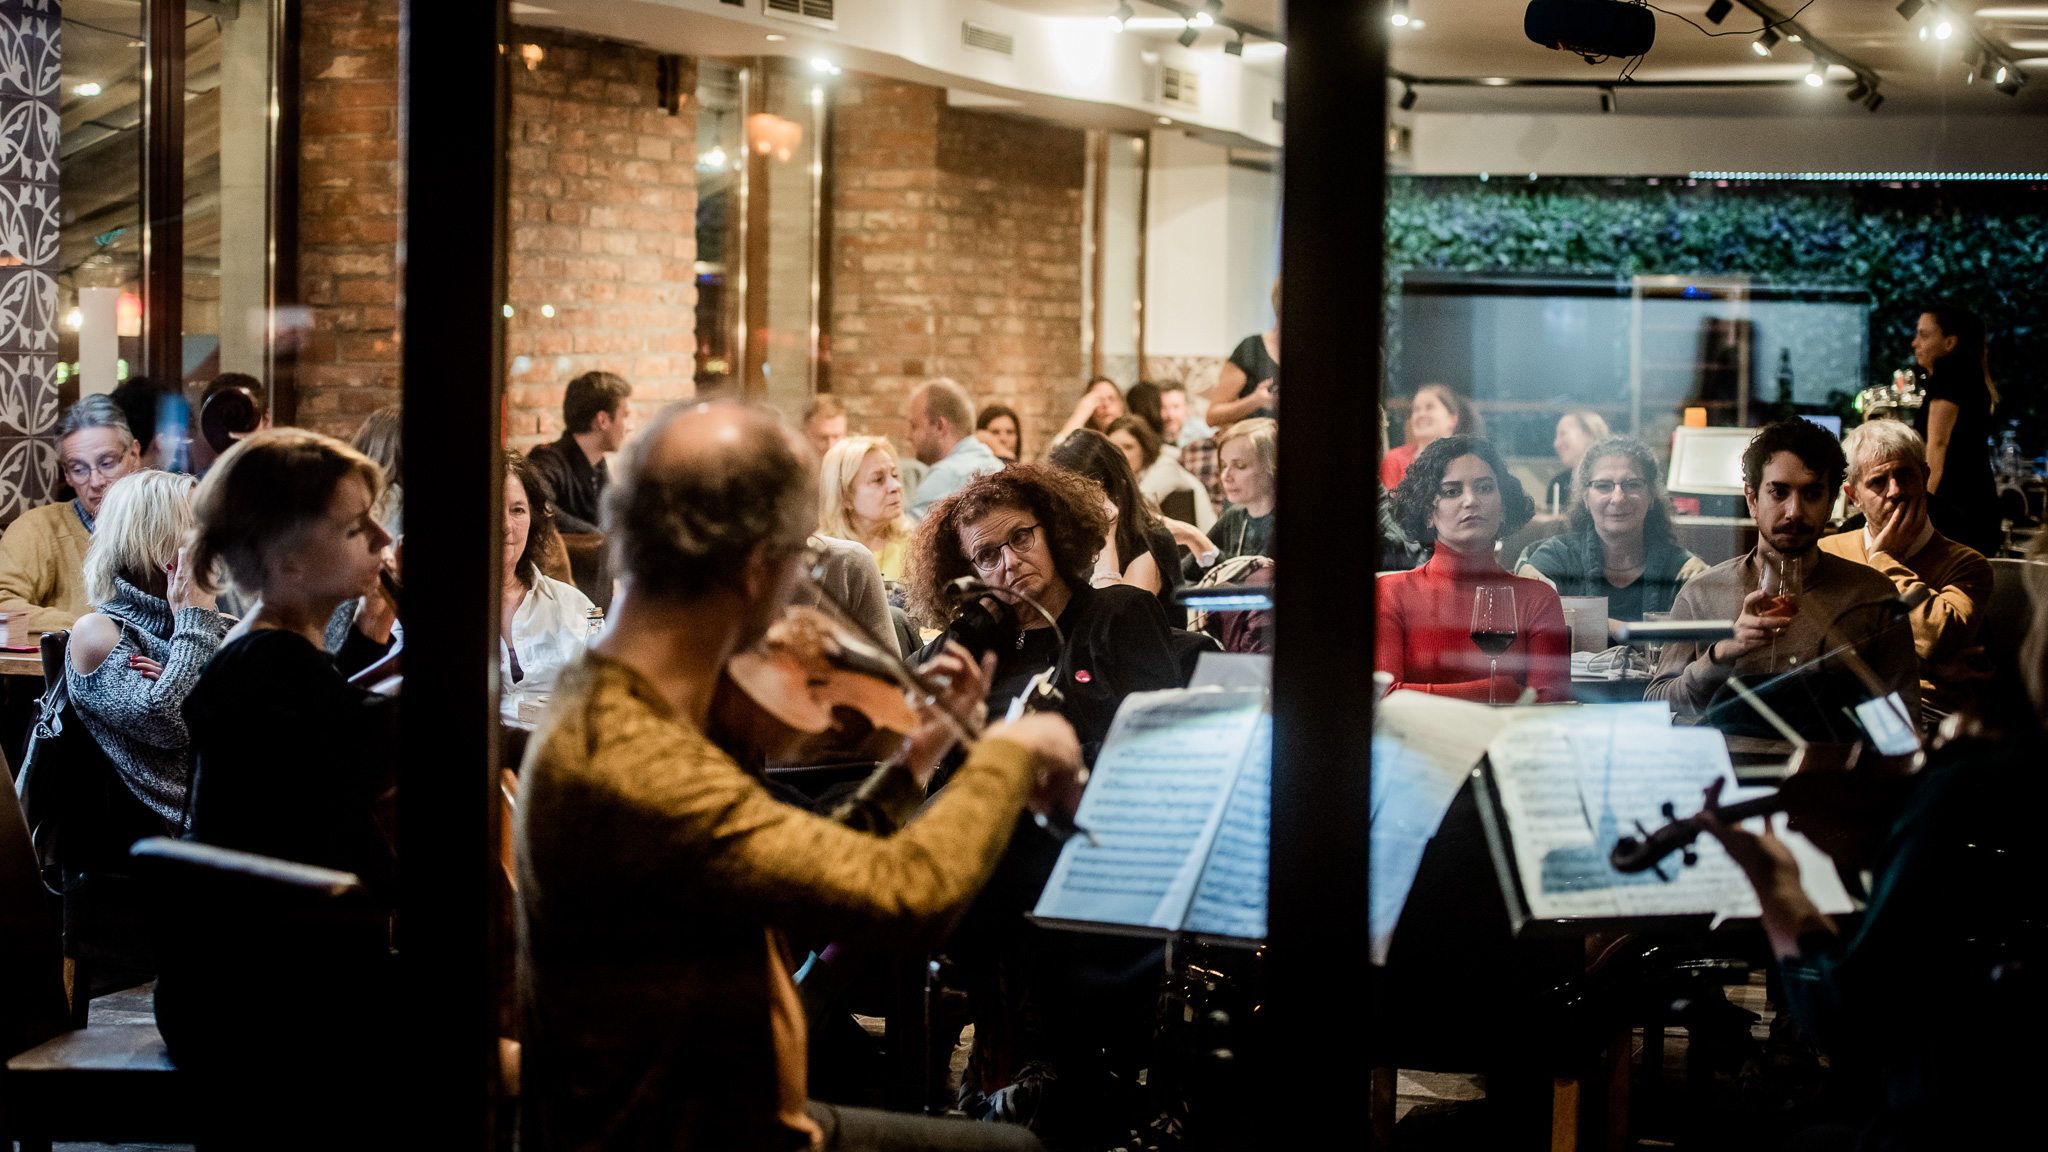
[[1181, 86], [987, 39], [818, 12]]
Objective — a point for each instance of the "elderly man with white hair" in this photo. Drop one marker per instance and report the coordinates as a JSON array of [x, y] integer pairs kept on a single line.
[[1887, 482], [42, 556]]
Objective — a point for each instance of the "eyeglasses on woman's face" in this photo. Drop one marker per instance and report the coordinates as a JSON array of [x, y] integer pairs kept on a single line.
[[1607, 487], [988, 557]]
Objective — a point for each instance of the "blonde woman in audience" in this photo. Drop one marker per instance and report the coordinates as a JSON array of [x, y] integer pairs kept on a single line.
[[860, 498], [136, 655]]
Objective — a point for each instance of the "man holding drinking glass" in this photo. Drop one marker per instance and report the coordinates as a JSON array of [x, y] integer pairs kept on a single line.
[[1791, 602]]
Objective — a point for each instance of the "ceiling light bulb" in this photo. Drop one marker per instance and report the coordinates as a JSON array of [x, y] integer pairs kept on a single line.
[[820, 64], [1813, 79], [1944, 30], [2000, 77], [1923, 31], [1763, 44], [86, 89], [1400, 19], [1201, 20], [1757, 46], [547, 310]]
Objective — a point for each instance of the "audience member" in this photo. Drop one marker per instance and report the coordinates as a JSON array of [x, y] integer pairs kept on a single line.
[[137, 398], [939, 416], [1101, 402], [292, 760], [1138, 550], [1035, 531], [42, 555], [861, 499], [1436, 413], [1178, 426], [1951, 860], [1160, 477], [848, 572], [1887, 482], [1618, 542], [1000, 429], [657, 878], [136, 655], [1955, 424], [1249, 385], [543, 622], [595, 420], [1577, 430], [1790, 474], [1250, 452], [1459, 498], [382, 438], [825, 423]]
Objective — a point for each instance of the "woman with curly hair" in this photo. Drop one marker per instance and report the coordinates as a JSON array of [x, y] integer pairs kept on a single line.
[[1032, 532], [1618, 543], [1459, 499]]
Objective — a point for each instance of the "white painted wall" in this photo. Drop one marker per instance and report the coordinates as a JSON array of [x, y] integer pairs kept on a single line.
[[1618, 145], [1212, 247]]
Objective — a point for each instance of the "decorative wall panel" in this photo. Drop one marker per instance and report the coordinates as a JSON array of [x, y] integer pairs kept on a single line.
[[30, 57]]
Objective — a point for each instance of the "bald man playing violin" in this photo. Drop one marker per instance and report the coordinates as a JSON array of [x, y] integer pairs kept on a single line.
[[657, 878]]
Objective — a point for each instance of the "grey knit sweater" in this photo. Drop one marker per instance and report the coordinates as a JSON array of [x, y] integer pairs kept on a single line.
[[140, 724]]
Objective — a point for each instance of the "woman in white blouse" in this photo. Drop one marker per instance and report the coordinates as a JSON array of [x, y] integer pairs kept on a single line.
[[545, 622]]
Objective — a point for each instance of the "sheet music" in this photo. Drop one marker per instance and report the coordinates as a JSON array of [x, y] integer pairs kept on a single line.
[[1231, 898], [1570, 786], [1154, 803], [1423, 747]]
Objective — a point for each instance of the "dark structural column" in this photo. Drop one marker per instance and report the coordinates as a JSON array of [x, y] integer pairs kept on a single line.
[[453, 338], [1334, 179], [163, 194]]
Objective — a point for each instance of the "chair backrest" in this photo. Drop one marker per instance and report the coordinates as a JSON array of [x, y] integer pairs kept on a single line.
[[32, 1005], [2006, 620]]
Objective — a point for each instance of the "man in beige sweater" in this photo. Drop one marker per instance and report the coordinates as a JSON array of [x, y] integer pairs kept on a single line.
[[42, 555], [659, 880], [1887, 482]]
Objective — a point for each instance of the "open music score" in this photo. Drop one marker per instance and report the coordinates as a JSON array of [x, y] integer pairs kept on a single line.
[[1178, 804], [1560, 790]]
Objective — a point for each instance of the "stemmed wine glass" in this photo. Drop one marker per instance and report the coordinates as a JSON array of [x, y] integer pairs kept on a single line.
[[1784, 579], [1493, 628]]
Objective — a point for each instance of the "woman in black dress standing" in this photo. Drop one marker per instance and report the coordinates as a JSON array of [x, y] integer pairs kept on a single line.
[[1956, 424], [1249, 383]]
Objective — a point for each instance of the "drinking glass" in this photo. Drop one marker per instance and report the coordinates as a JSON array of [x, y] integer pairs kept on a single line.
[[1784, 579], [1493, 628], [1653, 651]]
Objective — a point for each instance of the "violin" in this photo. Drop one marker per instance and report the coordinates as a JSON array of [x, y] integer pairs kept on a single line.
[[812, 691], [1844, 809]]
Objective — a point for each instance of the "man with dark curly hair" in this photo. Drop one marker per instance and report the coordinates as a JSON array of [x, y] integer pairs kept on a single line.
[[1458, 498], [1790, 474]]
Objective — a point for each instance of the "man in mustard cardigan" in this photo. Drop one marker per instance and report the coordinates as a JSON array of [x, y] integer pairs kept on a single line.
[[42, 555], [1887, 482], [659, 880]]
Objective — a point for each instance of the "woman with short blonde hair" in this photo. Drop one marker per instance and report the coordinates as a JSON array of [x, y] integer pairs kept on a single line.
[[133, 659], [860, 498]]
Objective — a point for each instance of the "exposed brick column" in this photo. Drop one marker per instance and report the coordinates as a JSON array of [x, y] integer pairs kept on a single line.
[[603, 217], [348, 212], [956, 248]]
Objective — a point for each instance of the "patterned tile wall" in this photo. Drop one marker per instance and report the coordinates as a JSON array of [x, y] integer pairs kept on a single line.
[[31, 50]]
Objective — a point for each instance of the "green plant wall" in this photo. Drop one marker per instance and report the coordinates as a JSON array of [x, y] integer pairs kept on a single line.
[[1981, 245]]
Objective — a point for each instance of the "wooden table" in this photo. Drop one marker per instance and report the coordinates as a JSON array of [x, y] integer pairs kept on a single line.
[[21, 664]]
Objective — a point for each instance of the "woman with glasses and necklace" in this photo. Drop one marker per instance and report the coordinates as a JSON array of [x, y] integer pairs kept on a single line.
[[1617, 542]]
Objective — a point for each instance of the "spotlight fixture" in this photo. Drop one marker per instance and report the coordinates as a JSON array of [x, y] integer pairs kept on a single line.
[[1607, 100], [1719, 9], [1201, 20], [1876, 99], [2009, 80], [1818, 76], [1189, 35], [1234, 46], [1763, 44], [1944, 30], [1407, 97], [1859, 90], [1400, 13], [1123, 13], [1910, 8]]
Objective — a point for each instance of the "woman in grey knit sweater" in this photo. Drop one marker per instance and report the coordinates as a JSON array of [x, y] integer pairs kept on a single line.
[[136, 655]]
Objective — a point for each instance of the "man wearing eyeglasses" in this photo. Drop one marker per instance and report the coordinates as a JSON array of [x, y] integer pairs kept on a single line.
[[42, 556]]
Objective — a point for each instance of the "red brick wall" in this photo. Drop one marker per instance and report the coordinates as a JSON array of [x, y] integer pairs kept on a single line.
[[603, 221], [602, 215], [956, 251], [348, 211]]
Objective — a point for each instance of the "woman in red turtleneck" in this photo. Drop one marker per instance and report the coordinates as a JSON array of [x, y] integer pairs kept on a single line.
[[1459, 497]]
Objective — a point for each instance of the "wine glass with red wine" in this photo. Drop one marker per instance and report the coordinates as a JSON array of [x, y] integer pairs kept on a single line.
[[1493, 628], [1784, 580]]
